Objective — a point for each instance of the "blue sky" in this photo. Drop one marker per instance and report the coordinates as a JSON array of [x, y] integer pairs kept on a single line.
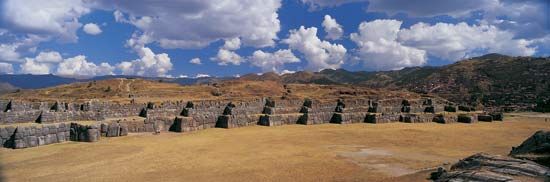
[[159, 38]]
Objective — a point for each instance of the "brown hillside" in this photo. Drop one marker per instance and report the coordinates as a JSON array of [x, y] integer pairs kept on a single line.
[[138, 90]]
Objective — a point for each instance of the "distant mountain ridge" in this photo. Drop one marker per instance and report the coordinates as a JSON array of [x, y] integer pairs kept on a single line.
[[28, 81]]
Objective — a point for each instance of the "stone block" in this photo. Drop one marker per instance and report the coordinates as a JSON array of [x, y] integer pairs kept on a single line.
[[487, 118], [51, 138], [19, 144], [104, 128], [497, 116], [41, 140], [92, 135], [113, 130], [61, 137], [464, 118], [32, 130], [123, 129], [4, 133], [33, 141], [52, 129], [10, 129], [19, 133], [450, 109], [45, 130]]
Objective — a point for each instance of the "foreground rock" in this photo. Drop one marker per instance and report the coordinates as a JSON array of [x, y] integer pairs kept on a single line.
[[535, 148], [485, 167]]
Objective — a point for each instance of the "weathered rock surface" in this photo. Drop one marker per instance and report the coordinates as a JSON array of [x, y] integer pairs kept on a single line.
[[535, 148], [486, 167]]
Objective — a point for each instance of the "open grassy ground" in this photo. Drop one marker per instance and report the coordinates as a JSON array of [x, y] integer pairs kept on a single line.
[[328, 152]]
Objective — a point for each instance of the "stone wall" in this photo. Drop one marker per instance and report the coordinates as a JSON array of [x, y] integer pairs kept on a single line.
[[182, 116], [33, 136]]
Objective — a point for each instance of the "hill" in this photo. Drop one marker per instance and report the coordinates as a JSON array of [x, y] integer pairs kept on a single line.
[[27, 81], [124, 90], [493, 80]]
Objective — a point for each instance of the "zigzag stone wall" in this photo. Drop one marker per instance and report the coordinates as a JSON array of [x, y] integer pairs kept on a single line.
[[113, 119]]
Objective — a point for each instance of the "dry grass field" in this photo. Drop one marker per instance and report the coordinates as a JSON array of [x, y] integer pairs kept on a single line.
[[328, 152]]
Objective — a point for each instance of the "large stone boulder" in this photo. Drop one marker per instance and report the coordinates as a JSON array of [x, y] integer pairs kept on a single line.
[[535, 148], [449, 108], [465, 118], [113, 130], [84, 133], [497, 116], [485, 167]]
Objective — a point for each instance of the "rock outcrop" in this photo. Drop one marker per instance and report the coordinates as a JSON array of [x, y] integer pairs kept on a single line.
[[486, 167], [535, 148]]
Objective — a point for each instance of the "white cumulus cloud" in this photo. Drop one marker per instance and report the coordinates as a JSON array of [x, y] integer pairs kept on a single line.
[[149, 64], [232, 44], [6, 68], [333, 29], [226, 57], [195, 61], [319, 54], [8, 53], [79, 66], [49, 57], [58, 18], [197, 23], [272, 61], [30, 66], [92, 29], [378, 47], [457, 41], [200, 75]]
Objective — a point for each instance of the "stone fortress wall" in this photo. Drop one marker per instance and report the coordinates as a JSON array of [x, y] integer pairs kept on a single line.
[[58, 122]]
